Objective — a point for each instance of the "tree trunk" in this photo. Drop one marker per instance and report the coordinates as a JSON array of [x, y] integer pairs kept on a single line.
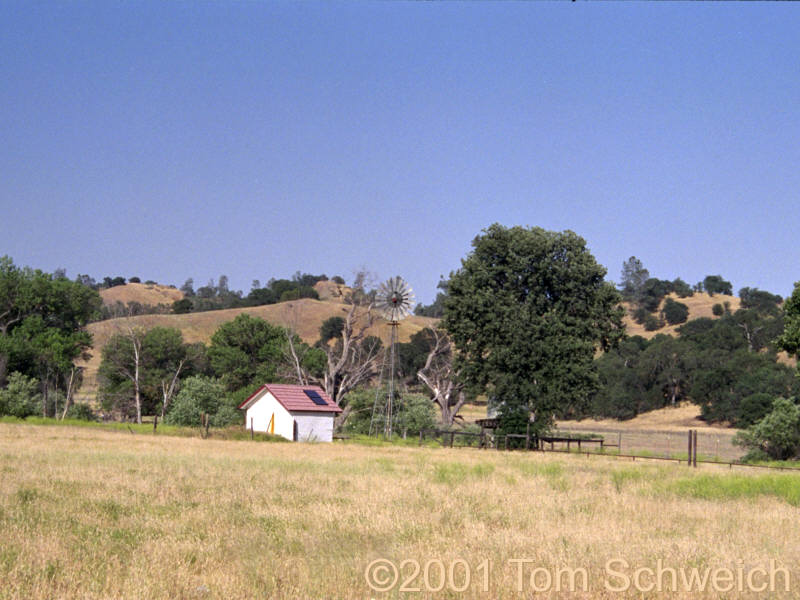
[[3, 369], [68, 399], [342, 417]]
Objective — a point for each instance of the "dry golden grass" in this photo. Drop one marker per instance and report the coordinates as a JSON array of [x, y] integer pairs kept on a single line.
[[142, 293], [678, 418], [662, 432], [305, 316], [700, 305], [330, 290], [90, 514]]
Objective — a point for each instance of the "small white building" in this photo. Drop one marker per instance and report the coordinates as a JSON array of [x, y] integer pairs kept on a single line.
[[296, 412]]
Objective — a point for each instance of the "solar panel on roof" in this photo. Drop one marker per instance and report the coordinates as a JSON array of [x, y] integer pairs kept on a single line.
[[314, 395]]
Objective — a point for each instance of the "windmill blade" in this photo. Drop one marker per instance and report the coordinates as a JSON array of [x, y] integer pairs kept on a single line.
[[395, 299]]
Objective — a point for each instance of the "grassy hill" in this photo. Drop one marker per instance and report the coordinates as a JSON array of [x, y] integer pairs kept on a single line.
[[143, 293], [700, 305], [304, 315]]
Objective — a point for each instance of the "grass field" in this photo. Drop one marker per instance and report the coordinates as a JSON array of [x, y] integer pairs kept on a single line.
[[88, 513]]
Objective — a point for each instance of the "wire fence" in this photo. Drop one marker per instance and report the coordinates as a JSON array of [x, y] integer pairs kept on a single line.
[[690, 447], [669, 444]]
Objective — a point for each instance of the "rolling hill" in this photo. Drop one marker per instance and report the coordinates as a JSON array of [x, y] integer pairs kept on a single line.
[[304, 315], [143, 293], [700, 305]]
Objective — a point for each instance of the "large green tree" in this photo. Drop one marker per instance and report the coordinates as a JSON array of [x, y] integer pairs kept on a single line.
[[527, 311], [790, 340], [633, 277], [41, 324], [247, 351], [141, 370]]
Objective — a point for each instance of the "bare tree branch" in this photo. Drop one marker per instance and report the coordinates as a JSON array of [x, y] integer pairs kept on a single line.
[[440, 378]]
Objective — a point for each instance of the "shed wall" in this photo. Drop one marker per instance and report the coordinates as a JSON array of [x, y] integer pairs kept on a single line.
[[261, 412], [314, 426]]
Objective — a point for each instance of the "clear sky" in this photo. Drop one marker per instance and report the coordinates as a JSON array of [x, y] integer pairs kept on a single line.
[[170, 140]]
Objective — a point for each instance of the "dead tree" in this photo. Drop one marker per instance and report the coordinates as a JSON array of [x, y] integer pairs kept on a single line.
[[168, 387], [351, 359], [75, 379], [440, 377]]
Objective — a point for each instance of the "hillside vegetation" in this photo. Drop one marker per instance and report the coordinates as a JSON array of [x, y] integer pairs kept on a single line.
[[700, 305], [304, 316], [143, 293]]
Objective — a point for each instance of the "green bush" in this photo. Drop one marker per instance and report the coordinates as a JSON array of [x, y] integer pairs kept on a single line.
[[21, 398], [640, 315], [653, 323], [182, 306], [227, 415], [753, 408], [299, 292], [683, 289], [718, 310], [415, 412], [777, 435], [715, 284], [412, 412], [675, 312], [81, 412], [200, 395]]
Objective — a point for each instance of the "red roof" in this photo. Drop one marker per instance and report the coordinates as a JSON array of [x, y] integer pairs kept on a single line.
[[294, 399]]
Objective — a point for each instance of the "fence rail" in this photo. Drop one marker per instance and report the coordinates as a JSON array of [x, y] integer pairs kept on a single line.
[[531, 442]]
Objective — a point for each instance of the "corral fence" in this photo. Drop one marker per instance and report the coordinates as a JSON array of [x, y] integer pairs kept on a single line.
[[690, 447]]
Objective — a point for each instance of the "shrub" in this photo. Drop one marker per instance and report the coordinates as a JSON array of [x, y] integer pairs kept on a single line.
[[412, 412], [653, 323], [683, 289], [337, 279], [82, 412], [718, 310], [777, 435], [199, 395], [299, 292], [134, 280], [640, 315], [226, 415], [675, 312], [415, 412], [21, 398], [753, 408], [653, 292], [715, 284], [182, 306]]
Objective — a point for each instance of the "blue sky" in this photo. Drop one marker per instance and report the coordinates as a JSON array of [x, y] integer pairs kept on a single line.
[[170, 140]]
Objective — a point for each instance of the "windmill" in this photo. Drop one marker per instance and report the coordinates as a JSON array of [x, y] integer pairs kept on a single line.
[[394, 300]]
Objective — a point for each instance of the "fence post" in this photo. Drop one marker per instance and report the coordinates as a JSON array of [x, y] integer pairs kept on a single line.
[[155, 423], [689, 451], [619, 443], [252, 430], [452, 436], [694, 447], [420, 437]]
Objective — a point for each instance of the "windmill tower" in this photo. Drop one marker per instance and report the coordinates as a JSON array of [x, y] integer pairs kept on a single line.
[[395, 300]]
